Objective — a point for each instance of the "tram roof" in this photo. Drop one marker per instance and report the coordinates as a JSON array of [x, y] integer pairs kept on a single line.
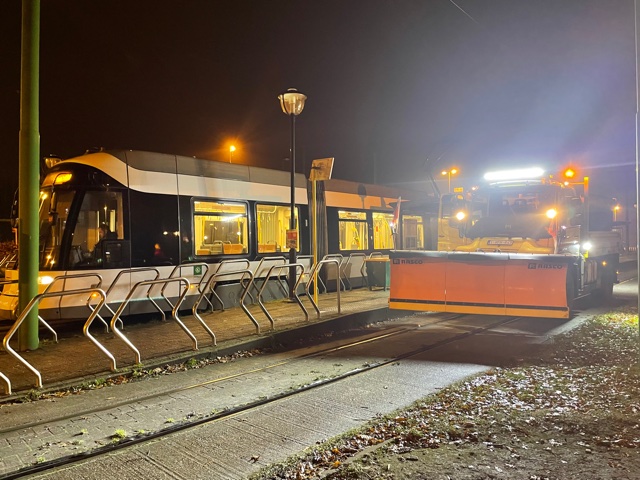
[[198, 167]]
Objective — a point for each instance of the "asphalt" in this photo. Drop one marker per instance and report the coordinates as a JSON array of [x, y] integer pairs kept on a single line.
[[39, 434]]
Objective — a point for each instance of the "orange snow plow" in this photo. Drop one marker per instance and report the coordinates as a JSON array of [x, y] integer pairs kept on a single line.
[[481, 283]]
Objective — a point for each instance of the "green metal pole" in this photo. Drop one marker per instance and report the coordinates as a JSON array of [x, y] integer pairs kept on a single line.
[[29, 181]]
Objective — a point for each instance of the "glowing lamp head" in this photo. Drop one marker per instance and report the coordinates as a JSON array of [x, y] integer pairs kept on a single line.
[[586, 246], [292, 102], [461, 215], [551, 213]]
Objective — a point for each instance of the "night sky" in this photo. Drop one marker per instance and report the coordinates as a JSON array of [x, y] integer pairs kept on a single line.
[[474, 84]]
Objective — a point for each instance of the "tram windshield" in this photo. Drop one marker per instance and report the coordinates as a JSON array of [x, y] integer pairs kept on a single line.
[[72, 236], [54, 213]]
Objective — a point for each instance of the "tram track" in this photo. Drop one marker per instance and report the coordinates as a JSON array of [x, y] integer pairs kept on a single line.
[[173, 391], [192, 423]]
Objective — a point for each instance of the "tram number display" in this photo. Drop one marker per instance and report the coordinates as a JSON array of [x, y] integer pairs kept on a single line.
[[292, 239]]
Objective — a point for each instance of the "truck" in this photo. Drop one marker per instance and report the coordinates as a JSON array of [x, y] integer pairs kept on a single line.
[[522, 244]]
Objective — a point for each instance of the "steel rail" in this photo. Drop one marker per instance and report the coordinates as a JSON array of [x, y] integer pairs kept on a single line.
[[175, 428]]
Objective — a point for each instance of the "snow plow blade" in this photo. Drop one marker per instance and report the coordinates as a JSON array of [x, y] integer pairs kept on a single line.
[[480, 283]]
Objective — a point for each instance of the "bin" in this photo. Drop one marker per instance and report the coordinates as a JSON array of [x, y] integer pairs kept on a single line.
[[378, 272]]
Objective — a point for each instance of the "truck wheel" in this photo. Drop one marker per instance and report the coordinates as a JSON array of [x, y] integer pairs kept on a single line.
[[605, 292]]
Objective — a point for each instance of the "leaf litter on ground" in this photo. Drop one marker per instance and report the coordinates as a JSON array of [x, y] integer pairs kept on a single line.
[[573, 411]]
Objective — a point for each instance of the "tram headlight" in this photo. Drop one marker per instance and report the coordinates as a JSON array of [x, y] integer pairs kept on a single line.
[[552, 213], [586, 246], [62, 178]]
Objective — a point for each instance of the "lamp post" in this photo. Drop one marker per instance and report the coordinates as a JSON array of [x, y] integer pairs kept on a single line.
[[232, 149], [292, 104], [453, 171]]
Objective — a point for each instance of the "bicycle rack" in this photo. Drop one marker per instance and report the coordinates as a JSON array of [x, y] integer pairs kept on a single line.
[[221, 266], [364, 258], [260, 269], [174, 315], [9, 261], [5, 379], [308, 273], [132, 271], [40, 319], [198, 285], [74, 276], [211, 285], [314, 272], [295, 289], [35, 301], [339, 273]]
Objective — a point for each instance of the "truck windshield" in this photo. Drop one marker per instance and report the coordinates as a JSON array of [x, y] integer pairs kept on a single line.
[[512, 212]]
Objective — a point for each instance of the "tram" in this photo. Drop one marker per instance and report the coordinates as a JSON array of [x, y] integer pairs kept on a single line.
[[159, 211]]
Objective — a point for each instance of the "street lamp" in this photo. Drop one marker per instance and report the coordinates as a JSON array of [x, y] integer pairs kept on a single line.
[[292, 104], [232, 149], [453, 171]]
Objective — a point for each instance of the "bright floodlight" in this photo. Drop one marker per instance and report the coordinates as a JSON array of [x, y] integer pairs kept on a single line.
[[460, 215], [520, 174]]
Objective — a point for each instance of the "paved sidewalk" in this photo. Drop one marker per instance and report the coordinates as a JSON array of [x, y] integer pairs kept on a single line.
[[76, 360]]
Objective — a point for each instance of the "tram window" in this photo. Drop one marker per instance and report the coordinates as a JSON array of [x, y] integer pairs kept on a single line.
[[353, 230], [98, 208], [272, 225], [220, 228], [382, 233], [54, 210], [412, 232]]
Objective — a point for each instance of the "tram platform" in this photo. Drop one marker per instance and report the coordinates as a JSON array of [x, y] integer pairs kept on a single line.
[[75, 360]]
